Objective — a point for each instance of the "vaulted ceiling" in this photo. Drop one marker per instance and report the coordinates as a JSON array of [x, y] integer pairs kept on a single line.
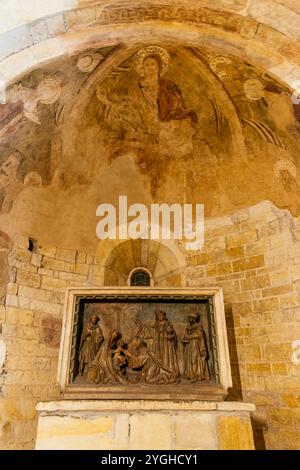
[[85, 117]]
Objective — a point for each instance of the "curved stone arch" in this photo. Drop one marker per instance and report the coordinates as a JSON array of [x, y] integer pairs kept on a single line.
[[154, 256], [14, 15], [173, 262], [260, 45]]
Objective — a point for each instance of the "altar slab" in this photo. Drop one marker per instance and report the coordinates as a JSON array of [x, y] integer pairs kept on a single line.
[[144, 425]]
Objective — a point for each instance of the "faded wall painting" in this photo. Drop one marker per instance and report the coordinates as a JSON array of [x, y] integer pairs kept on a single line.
[[159, 123]]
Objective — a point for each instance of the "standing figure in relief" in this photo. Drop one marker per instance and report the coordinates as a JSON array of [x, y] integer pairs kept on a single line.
[[164, 346], [91, 340], [195, 351]]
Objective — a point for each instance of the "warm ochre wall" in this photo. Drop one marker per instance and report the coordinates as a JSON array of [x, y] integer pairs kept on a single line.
[[70, 161], [252, 254]]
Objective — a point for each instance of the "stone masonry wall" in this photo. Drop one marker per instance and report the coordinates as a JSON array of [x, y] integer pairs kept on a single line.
[[254, 255], [31, 327]]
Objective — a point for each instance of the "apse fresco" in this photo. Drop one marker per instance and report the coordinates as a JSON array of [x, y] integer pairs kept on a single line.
[[158, 123]]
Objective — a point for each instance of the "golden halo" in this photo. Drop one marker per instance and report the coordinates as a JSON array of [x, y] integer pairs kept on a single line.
[[219, 60], [151, 51]]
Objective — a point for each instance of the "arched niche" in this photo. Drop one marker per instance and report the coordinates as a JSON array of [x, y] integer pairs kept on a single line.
[[163, 260]]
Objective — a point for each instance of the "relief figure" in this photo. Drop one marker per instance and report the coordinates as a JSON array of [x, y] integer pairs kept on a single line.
[[90, 343], [195, 351], [146, 367], [164, 346]]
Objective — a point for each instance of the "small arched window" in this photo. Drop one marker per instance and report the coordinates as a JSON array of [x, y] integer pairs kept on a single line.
[[140, 277]]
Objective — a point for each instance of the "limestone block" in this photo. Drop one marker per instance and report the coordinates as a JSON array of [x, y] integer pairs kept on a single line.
[[49, 251], [192, 432], [25, 430], [53, 264], [235, 433], [2, 354], [256, 248], [219, 269], [54, 309], [51, 283], [36, 259], [278, 290], [241, 238], [17, 409], [20, 254], [249, 352], [27, 346], [2, 313], [286, 316], [19, 316], [72, 277], [275, 384], [291, 400], [277, 352], [57, 297], [12, 274], [248, 263], [80, 257], [46, 272], [66, 255], [82, 269], [279, 369], [266, 305], [288, 301], [256, 282], [269, 229], [235, 406], [31, 293], [12, 288], [150, 431], [282, 440], [11, 301], [24, 302], [283, 417], [28, 279], [122, 431], [24, 266], [73, 433], [19, 331], [259, 369]]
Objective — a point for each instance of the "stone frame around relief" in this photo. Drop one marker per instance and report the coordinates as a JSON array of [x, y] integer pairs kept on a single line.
[[214, 390]]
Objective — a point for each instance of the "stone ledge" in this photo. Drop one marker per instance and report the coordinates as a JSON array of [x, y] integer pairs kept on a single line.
[[145, 405]]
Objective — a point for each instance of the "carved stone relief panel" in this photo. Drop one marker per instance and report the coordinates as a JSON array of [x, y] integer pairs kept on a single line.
[[129, 342]]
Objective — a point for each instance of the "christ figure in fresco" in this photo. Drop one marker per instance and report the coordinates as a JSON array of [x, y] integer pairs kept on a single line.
[[149, 101]]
